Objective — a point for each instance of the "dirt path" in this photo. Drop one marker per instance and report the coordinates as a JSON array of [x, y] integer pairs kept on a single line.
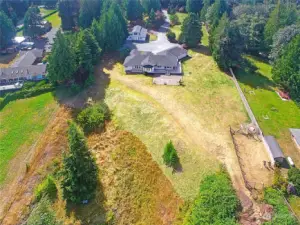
[[218, 143], [17, 196]]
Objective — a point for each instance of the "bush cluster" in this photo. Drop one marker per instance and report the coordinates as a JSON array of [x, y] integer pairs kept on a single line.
[[28, 90], [170, 156], [216, 202], [47, 187], [93, 117], [294, 178], [171, 36]]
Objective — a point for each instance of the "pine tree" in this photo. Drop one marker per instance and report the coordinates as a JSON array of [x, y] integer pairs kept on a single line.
[[62, 61], [68, 12], [80, 172], [206, 5], [193, 6], [93, 45], [280, 17], [7, 30], [148, 5], [83, 52], [191, 32], [32, 22], [89, 10], [215, 12], [170, 156], [286, 70], [134, 10], [226, 44]]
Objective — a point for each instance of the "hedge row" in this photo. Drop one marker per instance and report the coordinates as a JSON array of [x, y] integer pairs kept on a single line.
[[25, 93]]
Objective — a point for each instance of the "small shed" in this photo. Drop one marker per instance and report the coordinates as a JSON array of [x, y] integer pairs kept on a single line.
[[275, 149], [295, 134]]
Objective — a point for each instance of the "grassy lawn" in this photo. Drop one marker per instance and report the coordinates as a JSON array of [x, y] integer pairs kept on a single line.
[[54, 19], [195, 117], [45, 12], [274, 115], [21, 123], [152, 37], [20, 33], [177, 29]]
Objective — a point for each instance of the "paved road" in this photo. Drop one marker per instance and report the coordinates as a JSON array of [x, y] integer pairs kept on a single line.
[[162, 41]]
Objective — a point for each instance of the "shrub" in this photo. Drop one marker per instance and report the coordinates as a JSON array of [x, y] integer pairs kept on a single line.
[[282, 214], [43, 214], [294, 178], [170, 156], [279, 181], [47, 187], [174, 20], [93, 117], [171, 36], [216, 202]]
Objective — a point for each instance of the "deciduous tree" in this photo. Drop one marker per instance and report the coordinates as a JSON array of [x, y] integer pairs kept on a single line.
[[215, 12]]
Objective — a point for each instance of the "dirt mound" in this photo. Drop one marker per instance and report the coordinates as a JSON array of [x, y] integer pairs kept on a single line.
[[136, 190], [17, 196]]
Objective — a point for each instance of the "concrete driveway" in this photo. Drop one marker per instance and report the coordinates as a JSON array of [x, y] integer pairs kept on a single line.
[[162, 41]]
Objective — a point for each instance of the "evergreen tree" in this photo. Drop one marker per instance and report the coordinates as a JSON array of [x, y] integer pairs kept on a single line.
[[89, 10], [191, 32], [49, 3], [68, 12], [215, 12], [62, 61], [7, 30], [32, 22], [193, 6], [286, 71], [134, 10], [283, 15], [83, 54], [281, 39], [148, 5], [170, 156], [206, 5], [93, 46], [151, 19], [80, 172], [226, 44]]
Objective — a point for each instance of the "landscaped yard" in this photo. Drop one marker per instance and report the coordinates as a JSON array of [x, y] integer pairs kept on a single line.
[[274, 115], [21, 123], [45, 12]]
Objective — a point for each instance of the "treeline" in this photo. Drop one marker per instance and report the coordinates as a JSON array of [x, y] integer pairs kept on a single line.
[[74, 54], [267, 29]]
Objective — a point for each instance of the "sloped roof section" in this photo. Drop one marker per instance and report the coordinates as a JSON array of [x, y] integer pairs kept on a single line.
[[274, 147]]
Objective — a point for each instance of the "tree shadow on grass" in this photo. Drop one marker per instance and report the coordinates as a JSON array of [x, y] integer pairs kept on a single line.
[[178, 168], [203, 50], [91, 213]]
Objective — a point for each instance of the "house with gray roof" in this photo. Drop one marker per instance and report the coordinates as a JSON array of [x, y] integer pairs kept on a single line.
[[164, 62], [295, 134], [274, 149], [138, 33], [13, 75], [28, 58]]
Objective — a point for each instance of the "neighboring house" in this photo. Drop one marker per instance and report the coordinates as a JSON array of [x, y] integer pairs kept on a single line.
[[15, 74], [164, 62], [28, 58], [138, 33], [274, 149], [295, 134]]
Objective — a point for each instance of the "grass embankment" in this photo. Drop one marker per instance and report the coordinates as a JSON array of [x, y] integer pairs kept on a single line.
[[21, 123], [273, 115], [195, 117], [54, 19]]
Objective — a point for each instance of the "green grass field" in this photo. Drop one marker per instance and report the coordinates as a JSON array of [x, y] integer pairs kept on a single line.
[[21, 123], [54, 19], [274, 115], [45, 12], [177, 29]]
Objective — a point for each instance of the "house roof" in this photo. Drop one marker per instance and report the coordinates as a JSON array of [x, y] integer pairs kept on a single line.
[[16, 72], [28, 57], [174, 50], [296, 134], [274, 147], [140, 30], [149, 59]]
